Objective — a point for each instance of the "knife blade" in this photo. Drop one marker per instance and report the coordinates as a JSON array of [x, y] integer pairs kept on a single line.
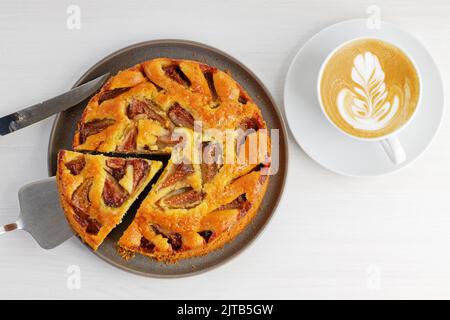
[[43, 110]]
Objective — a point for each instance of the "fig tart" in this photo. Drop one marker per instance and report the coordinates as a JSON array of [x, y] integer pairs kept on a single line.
[[210, 189]]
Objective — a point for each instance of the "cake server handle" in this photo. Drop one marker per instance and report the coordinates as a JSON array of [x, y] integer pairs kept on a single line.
[[41, 214]]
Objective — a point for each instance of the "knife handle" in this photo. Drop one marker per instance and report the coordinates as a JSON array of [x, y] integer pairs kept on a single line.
[[11, 227], [43, 110], [37, 112], [33, 114]]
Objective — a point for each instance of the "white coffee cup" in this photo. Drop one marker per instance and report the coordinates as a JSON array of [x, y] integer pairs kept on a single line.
[[390, 142]]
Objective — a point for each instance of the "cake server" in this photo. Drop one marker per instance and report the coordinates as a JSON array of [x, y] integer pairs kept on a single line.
[[41, 214], [43, 110]]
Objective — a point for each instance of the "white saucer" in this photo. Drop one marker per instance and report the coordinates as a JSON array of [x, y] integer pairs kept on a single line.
[[324, 143]]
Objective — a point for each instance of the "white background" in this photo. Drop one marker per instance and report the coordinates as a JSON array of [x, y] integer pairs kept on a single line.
[[332, 236]]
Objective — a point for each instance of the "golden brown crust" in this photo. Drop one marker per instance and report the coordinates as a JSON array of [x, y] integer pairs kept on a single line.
[[193, 208], [82, 181]]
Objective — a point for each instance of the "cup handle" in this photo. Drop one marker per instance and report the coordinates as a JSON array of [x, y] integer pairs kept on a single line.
[[394, 149]]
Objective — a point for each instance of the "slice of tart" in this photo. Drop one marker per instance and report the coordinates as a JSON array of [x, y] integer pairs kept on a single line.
[[96, 191]]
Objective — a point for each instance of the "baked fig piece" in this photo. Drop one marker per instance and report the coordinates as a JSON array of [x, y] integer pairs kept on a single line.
[[174, 238], [211, 161], [185, 198], [140, 170], [253, 123], [174, 72], [96, 197], [146, 245], [93, 127], [145, 109], [76, 165], [206, 234], [180, 116], [80, 197], [114, 195], [128, 143], [111, 94], [116, 167], [208, 73], [180, 172], [162, 142], [241, 203]]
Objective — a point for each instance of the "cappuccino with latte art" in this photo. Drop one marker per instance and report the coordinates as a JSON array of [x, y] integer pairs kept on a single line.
[[369, 88]]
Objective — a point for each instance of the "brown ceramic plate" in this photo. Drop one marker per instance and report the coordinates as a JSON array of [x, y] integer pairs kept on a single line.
[[64, 128]]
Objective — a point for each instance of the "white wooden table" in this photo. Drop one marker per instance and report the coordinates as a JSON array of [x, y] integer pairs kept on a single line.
[[332, 236]]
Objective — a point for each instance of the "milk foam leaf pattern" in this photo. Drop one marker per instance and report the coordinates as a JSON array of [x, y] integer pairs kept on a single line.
[[366, 106]]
